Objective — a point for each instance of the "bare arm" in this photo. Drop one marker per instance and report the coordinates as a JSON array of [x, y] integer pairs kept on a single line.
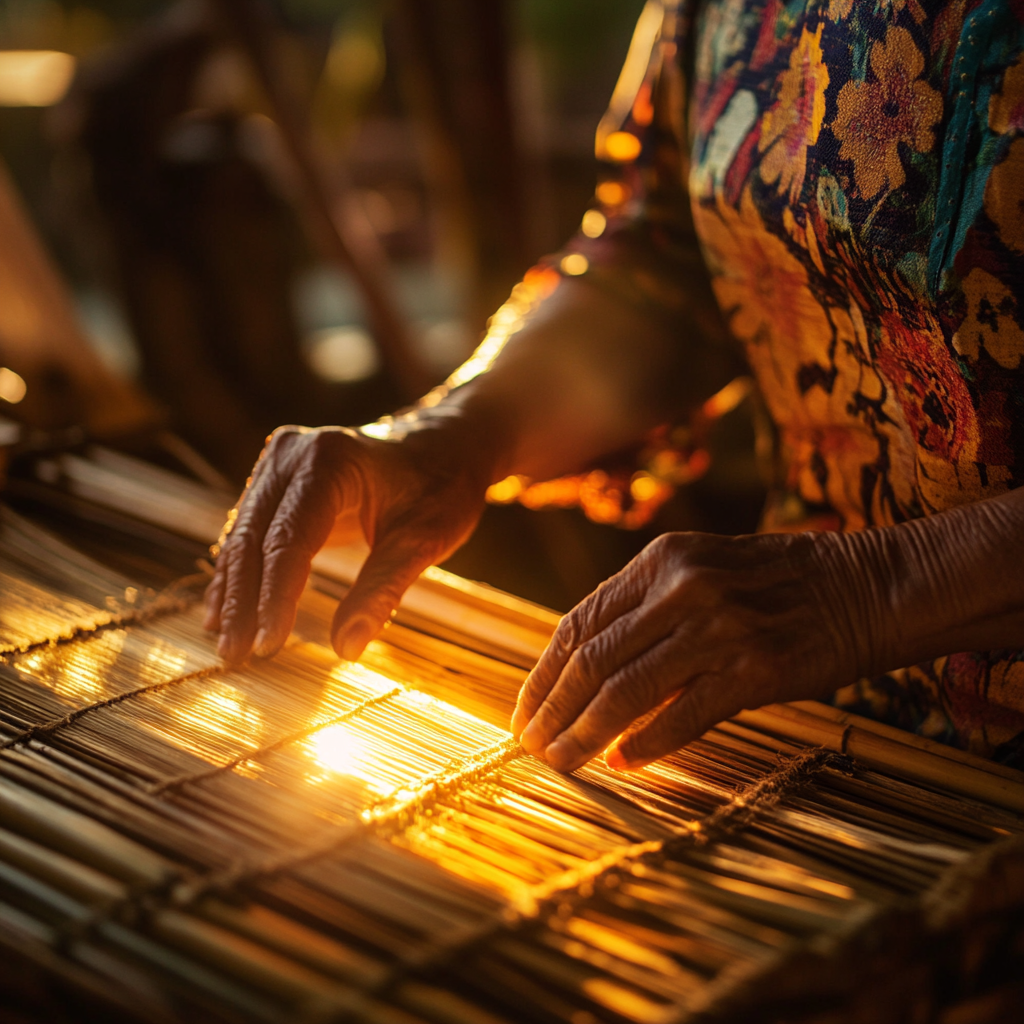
[[584, 375]]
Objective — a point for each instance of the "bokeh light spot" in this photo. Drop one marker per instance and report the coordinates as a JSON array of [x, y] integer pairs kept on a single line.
[[575, 264], [612, 193], [594, 223], [343, 354], [622, 147], [12, 388], [34, 78]]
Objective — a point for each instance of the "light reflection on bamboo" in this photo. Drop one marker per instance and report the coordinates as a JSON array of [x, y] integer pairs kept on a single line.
[[82, 671], [29, 612]]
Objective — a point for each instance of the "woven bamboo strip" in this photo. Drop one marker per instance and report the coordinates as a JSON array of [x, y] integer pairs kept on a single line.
[[169, 785], [55, 725], [753, 800], [165, 604]]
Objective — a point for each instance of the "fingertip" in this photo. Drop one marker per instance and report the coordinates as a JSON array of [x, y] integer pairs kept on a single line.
[[620, 761], [230, 651], [531, 739], [225, 648], [351, 639], [564, 755], [212, 604], [614, 758], [520, 719], [267, 644]]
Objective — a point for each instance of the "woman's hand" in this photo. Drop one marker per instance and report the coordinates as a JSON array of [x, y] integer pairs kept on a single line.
[[418, 496], [694, 629]]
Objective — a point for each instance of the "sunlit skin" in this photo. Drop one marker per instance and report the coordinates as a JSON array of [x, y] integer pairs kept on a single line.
[[696, 628]]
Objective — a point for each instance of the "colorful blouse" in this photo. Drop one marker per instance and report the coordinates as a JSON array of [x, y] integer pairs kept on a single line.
[[854, 173]]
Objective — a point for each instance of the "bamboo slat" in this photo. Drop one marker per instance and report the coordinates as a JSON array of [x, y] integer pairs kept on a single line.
[[307, 839]]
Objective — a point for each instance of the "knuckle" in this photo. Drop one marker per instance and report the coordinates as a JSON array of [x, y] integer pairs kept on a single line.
[[587, 660], [280, 543], [278, 435], [566, 636], [277, 442], [557, 705], [661, 545], [244, 543], [672, 549], [319, 446], [535, 687], [591, 611], [232, 606]]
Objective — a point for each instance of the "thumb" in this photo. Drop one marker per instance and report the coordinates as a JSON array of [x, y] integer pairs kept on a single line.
[[394, 563]]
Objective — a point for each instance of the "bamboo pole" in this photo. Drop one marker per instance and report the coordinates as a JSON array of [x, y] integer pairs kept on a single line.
[[880, 751]]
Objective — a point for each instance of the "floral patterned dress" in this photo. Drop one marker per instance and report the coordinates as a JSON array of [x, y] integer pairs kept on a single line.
[[853, 171]]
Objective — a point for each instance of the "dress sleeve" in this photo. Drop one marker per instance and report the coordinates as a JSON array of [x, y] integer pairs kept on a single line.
[[637, 243]]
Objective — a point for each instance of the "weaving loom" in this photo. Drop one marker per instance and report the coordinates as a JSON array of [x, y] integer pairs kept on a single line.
[[307, 840]]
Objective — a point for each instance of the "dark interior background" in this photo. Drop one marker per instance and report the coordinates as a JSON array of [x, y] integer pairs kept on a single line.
[[457, 135]]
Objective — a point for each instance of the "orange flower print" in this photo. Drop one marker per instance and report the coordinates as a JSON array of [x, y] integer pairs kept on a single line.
[[1006, 108], [992, 321], [1004, 197], [760, 285], [929, 387], [874, 117], [794, 122]]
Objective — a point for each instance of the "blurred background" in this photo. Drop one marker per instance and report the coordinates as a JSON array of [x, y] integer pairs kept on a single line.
[[304, 211]]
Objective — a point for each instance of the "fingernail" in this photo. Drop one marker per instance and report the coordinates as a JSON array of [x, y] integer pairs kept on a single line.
[[614, 759], [262, 647], [224, 647], [350, 642], [531, 738]]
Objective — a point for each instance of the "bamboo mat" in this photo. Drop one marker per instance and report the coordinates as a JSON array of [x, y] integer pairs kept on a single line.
[[309, 839]]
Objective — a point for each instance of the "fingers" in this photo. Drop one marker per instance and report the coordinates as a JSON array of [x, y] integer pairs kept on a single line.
[[603, 665], [615, 598], [213, 598], [395, 561], [702, 704], [300, 528], [242, 568], [233, 596], [636, 688]]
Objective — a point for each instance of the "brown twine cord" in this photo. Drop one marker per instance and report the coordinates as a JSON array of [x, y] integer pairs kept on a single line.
[[400, 811], [388, 813], [56, 724], [179, 782], [761, 796], [166, 603]]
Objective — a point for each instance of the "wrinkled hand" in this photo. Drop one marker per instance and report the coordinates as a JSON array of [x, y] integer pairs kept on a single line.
[[696, 628], [417, 499]]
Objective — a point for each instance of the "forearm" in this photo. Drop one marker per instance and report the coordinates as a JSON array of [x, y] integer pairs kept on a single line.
[[940, 585], [586, 375]]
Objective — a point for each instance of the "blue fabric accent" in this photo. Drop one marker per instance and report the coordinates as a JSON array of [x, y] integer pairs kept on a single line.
[[990, 37]]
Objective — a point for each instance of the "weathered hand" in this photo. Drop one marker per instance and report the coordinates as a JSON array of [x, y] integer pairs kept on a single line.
[[418, 496], [694, 629]]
